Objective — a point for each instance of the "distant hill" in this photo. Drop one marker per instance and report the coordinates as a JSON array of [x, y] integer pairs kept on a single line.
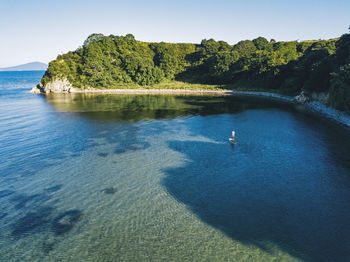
[[26, 67]]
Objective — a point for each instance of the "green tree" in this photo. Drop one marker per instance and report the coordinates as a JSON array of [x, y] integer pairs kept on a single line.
[[244, 48], [219, 66], [339, 97], [261, 43], [343, 49]]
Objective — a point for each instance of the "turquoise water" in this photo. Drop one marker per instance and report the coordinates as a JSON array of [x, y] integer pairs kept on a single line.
[[153, 178]]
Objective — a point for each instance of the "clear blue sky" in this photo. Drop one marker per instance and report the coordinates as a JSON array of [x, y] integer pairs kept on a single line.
[[39, 30]]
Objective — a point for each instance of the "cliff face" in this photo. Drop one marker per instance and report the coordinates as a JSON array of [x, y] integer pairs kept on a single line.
[[56, 86]]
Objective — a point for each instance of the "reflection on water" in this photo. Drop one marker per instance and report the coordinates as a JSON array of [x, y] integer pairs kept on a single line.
[[153, 177], [143, 107]]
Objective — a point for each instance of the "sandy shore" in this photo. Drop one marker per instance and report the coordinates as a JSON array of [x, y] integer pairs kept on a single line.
[[151, 91]]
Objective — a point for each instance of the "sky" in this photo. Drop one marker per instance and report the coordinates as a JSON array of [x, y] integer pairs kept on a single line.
[[39, 30]]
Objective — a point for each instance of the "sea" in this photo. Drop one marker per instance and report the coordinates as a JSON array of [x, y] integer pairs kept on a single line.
[[91, 177]]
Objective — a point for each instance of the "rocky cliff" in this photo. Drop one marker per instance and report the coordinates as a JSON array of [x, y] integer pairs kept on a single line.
[[56, 86]]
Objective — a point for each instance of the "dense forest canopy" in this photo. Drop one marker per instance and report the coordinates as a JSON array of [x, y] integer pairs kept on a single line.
[[113, 61]]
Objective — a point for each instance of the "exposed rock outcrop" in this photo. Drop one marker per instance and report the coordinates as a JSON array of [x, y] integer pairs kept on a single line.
[[305, 97], [302, 98], [57, 86]]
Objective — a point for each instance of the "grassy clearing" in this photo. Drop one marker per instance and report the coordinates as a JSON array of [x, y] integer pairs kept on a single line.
[[242, 85], [187, 86]]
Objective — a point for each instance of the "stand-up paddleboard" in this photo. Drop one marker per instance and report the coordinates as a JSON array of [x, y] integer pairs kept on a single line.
[[233, 141]]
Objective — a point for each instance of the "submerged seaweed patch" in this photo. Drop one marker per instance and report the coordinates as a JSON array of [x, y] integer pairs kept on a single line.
[[47, 247], [41, 215], [132, 147], [65, 221], [32, 221], [102, 154], [109, 190], [27, 201]]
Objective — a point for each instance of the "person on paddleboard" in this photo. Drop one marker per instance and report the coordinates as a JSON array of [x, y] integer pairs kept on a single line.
[[233, 135]]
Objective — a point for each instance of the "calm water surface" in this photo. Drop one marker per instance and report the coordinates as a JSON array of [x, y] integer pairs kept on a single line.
[[153, 178]]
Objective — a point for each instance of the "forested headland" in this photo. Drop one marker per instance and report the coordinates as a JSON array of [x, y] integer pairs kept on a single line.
[[121, 61]]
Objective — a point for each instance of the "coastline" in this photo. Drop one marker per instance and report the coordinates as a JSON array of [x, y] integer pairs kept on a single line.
[[313, 107]]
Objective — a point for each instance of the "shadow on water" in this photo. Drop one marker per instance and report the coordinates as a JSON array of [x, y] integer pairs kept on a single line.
[[268, 196]]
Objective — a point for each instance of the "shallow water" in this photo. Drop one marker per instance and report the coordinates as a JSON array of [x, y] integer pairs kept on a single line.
[[153, 178]]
